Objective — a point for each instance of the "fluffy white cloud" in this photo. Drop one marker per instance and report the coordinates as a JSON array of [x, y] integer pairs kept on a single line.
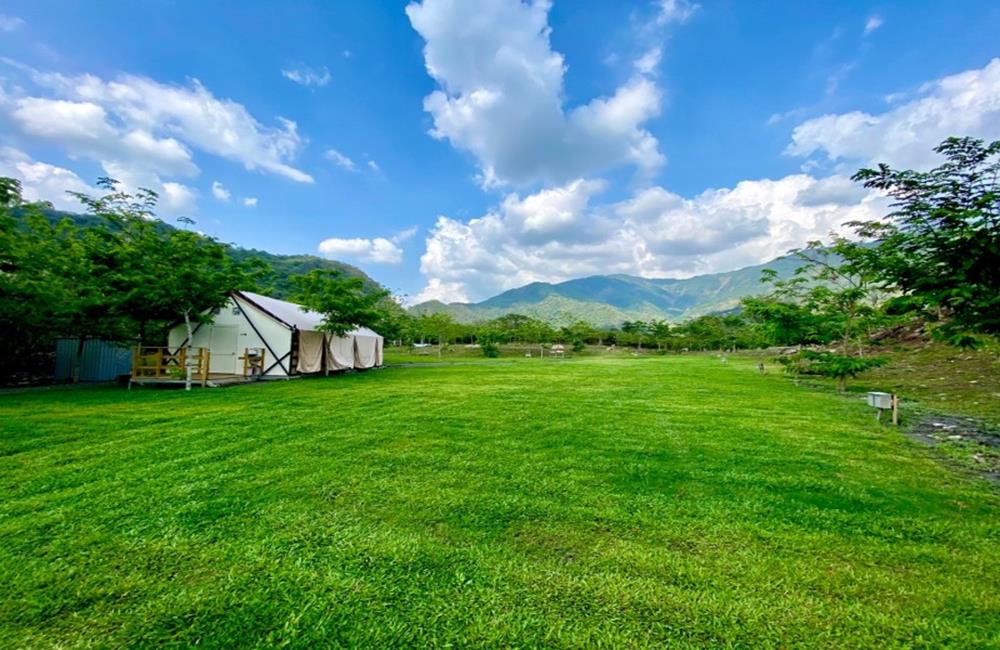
[[306, 76], [42, 181], [10, 23], [378, 250], [143, 133], [556, 234], [250, 202], [967, 103], [137, 120], [500, 97], [84, 129], [340, 160], [873, 23], [372, 165], [219, 191]]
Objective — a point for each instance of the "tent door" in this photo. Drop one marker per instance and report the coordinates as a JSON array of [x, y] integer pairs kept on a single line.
[[225, 339]]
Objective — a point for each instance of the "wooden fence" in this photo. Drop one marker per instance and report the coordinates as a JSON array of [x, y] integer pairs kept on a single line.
[[160, 364]]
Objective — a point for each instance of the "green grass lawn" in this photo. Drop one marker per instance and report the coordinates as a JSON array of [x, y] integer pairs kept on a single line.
[[594, 502]]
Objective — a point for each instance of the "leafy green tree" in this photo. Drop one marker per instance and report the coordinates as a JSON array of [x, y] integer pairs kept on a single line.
[[941, 244], [149, 275], [659, 331], [343, 300], [836, 366], [440, 326]]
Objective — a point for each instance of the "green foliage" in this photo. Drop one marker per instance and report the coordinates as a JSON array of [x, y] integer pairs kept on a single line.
[[941, 244], [835, 366], [616, 503], [344, 301]]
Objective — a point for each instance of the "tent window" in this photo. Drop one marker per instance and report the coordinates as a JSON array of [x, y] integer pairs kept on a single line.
[[236, 311]]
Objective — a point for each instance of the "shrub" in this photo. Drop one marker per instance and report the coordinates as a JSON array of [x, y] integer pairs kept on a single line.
[[490, 349], [836, 366]]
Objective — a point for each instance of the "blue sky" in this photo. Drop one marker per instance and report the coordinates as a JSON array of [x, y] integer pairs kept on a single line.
[[453, 149]]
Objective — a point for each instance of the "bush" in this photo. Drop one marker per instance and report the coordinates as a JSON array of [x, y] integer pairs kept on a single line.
[[578, 346], [835, 366], [490, 349]]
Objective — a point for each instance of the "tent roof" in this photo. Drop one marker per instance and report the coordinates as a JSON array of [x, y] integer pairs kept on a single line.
[[294, 315]]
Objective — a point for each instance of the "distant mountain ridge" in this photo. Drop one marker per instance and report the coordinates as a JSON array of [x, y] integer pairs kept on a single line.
[[607, 300]]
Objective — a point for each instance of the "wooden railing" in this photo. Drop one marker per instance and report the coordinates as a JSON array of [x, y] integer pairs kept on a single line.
[[253, 362], [160, 364]]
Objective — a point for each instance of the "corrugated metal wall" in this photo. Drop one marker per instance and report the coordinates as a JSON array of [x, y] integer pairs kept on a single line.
[[101, 361]]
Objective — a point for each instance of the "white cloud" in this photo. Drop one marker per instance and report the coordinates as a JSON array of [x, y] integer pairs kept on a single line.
[[42, 181], [378, 250], [648, 62], [374, 166], [250, 202], [443, 291], [141, 122], [176, 199], [306, 76], [219, 191], [873, 23], [10, 23], [555, 234], [967, 103], [501, 97], [340, 160], [84, 129], [675, 11], [45, 182]]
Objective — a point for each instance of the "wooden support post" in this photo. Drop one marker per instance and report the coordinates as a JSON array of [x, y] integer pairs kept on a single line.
[[205, 358], [895, 410]]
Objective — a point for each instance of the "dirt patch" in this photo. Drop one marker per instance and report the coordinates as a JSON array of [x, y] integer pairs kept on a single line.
[[960, 440]]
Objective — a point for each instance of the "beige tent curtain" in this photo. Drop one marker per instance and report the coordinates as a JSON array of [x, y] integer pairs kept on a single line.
[[310, 352], [378, 351], [365, 351], [340, 353]]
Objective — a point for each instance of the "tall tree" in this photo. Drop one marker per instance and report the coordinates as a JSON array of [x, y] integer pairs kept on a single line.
[[151, 275], [940, 246], [343, 300]]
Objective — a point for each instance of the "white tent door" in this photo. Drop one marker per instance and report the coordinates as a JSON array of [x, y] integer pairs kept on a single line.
[[340, 352], [365, 351], [225, 350], [311, 351]]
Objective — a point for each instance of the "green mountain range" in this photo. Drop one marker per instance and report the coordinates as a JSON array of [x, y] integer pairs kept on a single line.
[[608, 300]]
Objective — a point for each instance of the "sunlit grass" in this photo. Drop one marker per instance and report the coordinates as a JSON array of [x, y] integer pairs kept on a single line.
[[573, 503]]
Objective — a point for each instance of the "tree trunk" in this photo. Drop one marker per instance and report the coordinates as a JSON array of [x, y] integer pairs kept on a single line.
[[187, 345], [841, 383]]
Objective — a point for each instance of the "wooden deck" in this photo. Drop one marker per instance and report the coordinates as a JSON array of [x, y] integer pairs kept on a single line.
[[160, 366], [212, 380]]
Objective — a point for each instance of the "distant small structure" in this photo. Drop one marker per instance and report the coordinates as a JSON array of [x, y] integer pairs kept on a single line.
[[557, 350]]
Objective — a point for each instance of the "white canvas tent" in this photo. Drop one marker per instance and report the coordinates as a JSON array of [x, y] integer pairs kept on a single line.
[[287, 334]]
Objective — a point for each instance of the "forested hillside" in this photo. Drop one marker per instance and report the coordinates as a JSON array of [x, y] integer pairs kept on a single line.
[[277, 284]]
